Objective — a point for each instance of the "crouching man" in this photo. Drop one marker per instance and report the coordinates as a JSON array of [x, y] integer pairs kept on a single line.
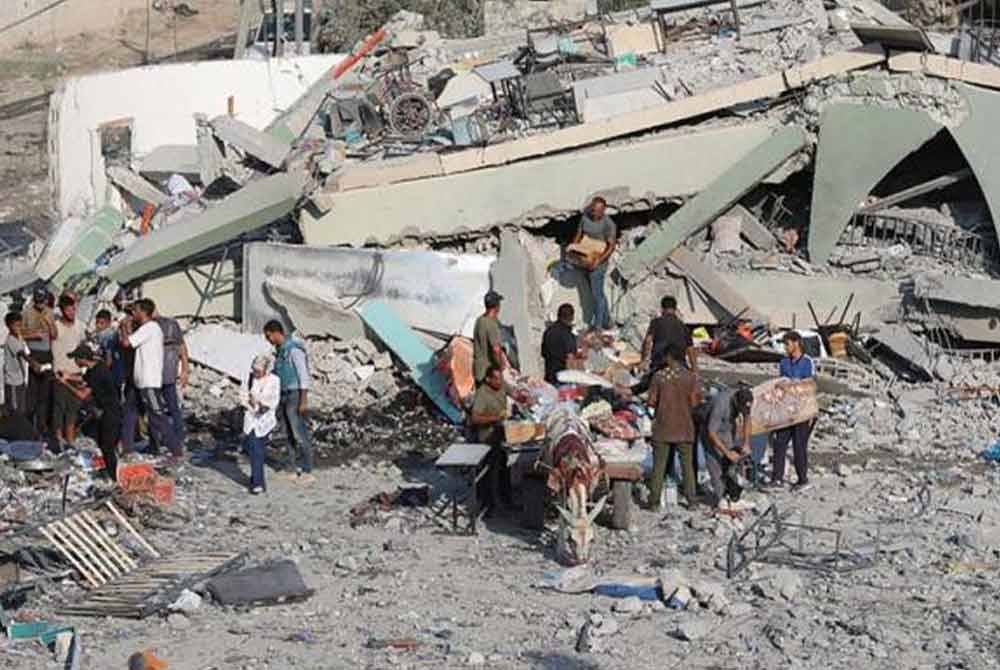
[[728, 436]]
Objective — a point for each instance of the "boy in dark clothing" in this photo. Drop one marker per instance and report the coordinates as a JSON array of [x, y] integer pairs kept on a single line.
[[100, 387]]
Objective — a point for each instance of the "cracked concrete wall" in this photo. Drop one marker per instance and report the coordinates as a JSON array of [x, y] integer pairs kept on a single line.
[[669, 167]]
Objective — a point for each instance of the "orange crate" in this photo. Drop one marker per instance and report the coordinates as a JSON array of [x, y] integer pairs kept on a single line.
[[133, 476], [164, 491]]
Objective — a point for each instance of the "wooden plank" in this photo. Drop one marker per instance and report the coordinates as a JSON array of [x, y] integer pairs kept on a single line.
[[946, 68]]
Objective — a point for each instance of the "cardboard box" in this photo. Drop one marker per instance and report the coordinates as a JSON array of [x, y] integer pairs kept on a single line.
[[519, 432]]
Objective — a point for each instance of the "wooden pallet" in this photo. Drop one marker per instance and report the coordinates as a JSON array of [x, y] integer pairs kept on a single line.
[[151, 588]]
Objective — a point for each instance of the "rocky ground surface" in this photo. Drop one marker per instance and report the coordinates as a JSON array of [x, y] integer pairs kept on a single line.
[[928, 505]]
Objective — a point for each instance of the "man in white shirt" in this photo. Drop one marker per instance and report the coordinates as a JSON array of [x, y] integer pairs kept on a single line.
[[70, 333], [147, 341]]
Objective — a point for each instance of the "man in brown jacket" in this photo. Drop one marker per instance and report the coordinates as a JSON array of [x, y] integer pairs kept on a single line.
[[673, 393]]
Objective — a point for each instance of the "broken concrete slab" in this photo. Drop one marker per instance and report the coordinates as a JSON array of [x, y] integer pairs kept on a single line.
[[921, 358], [210, 158], [246, 138], [256, 205], [718, 197], [136, 185], [410, 349], [446, 299], [613, 94], [225, 350], [980, 74], [957, 290], [514, 278], [714, 286], [980, 144], [847, 169], [428, 206], [310, 314], [167, 160]]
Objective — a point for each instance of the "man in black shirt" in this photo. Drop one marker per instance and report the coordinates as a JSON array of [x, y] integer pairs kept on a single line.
[[100, 387], [667, 331], [559, 343]]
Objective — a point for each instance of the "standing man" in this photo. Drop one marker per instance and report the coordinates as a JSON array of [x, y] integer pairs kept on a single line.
[[487, 348], [795, 365], [559, 344], [728, 435], [106, 336], [489, 411], [143, 335], [15, 367], [39, 331], [667, 331], [291, 365], [65, 404], [100, 387], [175, 371], [673, 394], [597, 225]]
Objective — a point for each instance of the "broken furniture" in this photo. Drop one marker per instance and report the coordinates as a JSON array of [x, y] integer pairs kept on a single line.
[[544, 101], [770, 540], [467, 463]]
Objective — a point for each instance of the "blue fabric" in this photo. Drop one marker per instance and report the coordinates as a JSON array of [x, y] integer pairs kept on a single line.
[[800, 368], [284, 367], [647, 593], [300, 455], [993, 453], [602, 318], [256, 449]]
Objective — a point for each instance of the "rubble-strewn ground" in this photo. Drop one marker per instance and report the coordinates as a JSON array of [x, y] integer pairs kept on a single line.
[[928, 601]]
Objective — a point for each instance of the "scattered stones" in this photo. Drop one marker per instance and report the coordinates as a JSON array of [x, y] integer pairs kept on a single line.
[[630, 605]]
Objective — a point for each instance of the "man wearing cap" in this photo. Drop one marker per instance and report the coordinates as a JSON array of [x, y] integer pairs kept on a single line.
[[39, 329], [99, 386], [487, 350]]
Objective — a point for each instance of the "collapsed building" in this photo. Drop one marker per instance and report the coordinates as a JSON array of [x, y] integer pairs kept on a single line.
[[732, 140]]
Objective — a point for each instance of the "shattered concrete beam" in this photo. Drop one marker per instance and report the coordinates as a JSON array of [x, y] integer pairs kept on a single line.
[[710, 203], [257, 204], [930, 186], [983, 293], [526, 192], [136, 185], [170, 159], [575, 137], [753, 230], [514, 278], [944, 67], [261, 145], [210, 158], [250, 11], [714, 285]]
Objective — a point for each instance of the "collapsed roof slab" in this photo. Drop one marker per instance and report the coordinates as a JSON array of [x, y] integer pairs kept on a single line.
[[574, 137], [432, 291], [742, 175], [256, 205], [248, 139], [663, 168], [984, 293], [979, 141], [858, 146]]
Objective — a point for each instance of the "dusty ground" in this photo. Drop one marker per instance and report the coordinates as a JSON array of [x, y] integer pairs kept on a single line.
[[928, 603], [30, 72]]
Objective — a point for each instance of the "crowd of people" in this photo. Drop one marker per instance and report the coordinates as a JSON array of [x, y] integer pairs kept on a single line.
[[688, 429], [131, 367]]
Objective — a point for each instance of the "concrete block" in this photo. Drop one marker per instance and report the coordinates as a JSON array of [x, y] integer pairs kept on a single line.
[[715, 286], [248, 139], [136, 185]]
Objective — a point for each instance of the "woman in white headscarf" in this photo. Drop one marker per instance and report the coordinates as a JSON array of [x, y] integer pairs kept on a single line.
[[260, 418]]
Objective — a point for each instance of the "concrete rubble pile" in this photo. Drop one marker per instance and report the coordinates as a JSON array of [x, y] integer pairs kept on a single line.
[[774, 165]]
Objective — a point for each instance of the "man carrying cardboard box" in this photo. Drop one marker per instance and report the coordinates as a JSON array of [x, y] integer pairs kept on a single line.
[[596, 228]]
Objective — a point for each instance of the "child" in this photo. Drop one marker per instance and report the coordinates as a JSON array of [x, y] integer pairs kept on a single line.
[[260, 419], [101, 388], [15, 367]]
